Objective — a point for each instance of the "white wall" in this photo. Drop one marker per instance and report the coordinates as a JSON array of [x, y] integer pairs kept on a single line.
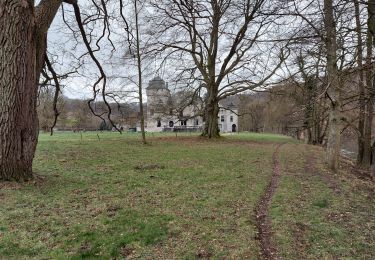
[[230, 119]]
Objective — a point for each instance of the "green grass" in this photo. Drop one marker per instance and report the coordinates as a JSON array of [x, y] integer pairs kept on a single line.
[[172, 198], [178, 197], [261, 137], [321, 215]]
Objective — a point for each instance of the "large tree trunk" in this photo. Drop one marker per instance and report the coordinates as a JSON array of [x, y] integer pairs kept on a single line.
[[361, 87], [367, 137], [19, 124], [23, 45], [334, 139], [367, 151], [335, 123], [211, 127], [367, 159], [310, 113]]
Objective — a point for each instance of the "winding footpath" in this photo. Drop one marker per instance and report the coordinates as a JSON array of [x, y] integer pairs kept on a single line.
[[263, 222]]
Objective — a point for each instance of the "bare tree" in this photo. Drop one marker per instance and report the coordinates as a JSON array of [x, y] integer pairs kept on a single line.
[[222, 39], [134, 40], [23, 55], [139, 66], [329, 21]]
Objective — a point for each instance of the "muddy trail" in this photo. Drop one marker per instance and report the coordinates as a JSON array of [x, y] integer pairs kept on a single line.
[[263, 222]]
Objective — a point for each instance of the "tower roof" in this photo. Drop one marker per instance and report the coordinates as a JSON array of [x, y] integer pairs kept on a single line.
[[157, 83], [231, 105]]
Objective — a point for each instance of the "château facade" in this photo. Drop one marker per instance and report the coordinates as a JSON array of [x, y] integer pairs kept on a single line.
[[180, 112]]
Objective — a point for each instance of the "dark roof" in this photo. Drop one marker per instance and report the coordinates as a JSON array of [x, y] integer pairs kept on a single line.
[[230, 102], [157, 83], [231, 105]]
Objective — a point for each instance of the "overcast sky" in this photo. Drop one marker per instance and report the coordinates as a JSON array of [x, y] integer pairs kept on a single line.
[[65, 49]]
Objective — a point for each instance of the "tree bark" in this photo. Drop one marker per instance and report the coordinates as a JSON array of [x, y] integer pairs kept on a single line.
[[361, 87], [139, 67], [211, 127], [18, 129], [367, 151], [23, 45], [366, 159], [335, 123], [367, 140], [310, 114]]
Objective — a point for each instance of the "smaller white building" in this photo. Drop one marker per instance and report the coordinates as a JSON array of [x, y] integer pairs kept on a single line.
[[228, 119]]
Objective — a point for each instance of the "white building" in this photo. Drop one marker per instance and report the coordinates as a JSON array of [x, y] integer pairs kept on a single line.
[[166, 112], [177, 112], [228, 118]]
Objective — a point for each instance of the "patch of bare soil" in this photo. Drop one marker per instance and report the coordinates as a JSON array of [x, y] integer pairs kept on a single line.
[[9, 185], [38, 180], [363, 174], [199, 140], [85, 247], [263, 222], [145, 167], [127, 251], [300, 239], [112, 210], [182, 139], [349, 166], [203, 254]]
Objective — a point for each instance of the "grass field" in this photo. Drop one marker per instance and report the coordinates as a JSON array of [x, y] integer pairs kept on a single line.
[[181, 197]]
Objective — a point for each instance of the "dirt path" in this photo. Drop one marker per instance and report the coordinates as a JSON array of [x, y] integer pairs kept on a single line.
[[263, 222]]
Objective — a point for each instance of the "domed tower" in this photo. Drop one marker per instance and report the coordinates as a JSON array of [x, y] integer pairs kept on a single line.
[[158, 96]]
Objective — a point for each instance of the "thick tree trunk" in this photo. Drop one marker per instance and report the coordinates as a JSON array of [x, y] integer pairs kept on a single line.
[[367, 159], [211, 127], [310, 113], [366, 156], [23, 45], [19, 124], [367, 151], [361, 87], [335, 123], [334, 139]]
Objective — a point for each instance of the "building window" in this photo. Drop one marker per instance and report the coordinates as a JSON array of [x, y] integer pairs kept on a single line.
[[171, 123], [231, 118], [222, 119], [183, 122], [159, 123], [196, 121]]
